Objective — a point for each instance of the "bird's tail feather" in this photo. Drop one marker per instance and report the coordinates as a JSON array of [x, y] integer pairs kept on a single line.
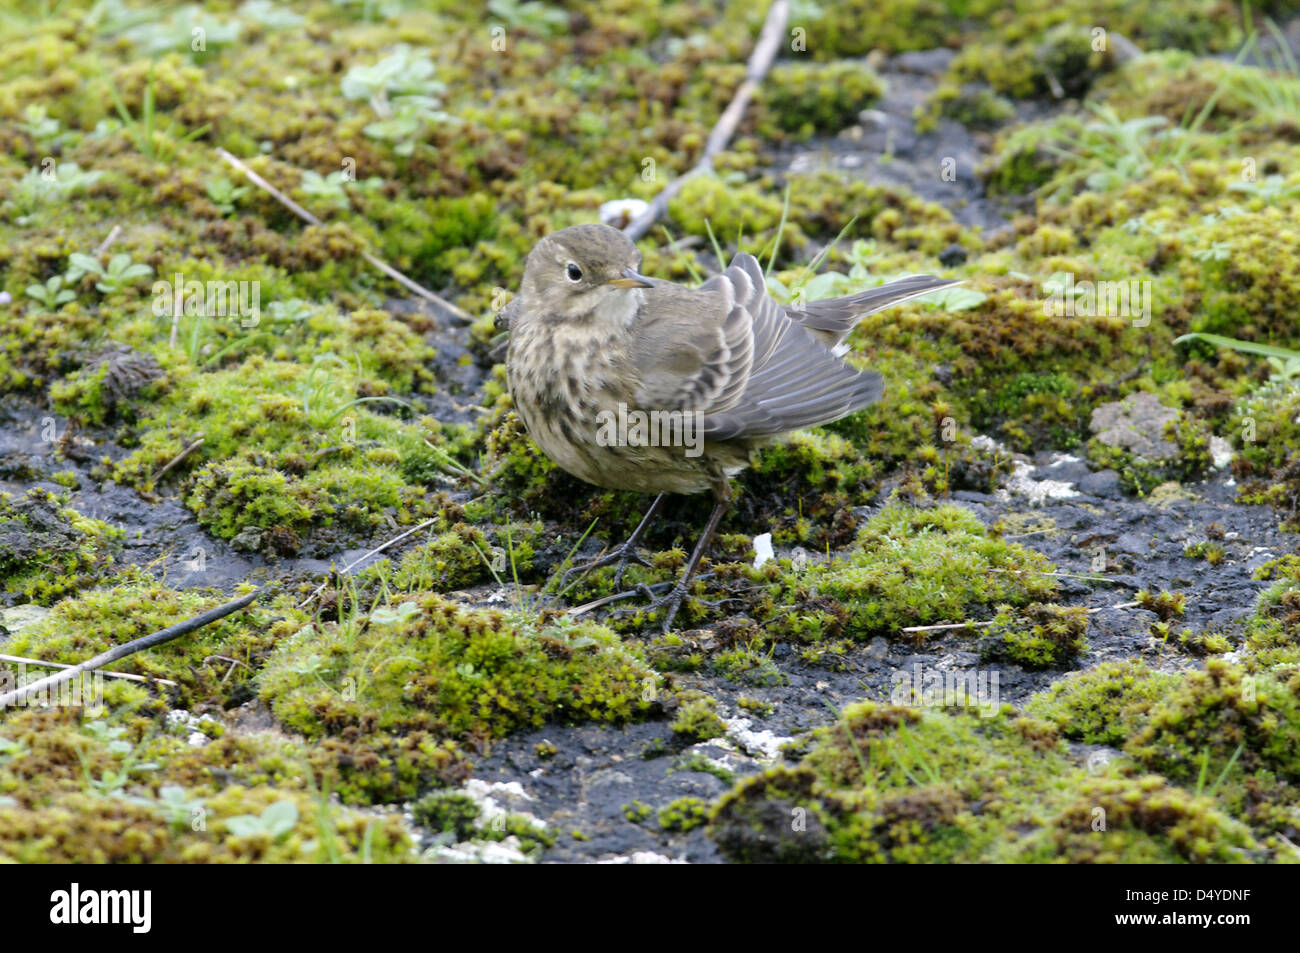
[[836, 317]]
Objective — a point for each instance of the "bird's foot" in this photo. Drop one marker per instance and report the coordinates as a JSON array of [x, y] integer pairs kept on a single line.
[[620, 557], [672, 602]]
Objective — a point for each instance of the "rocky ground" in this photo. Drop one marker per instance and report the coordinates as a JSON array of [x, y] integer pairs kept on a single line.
[[1134, 501]]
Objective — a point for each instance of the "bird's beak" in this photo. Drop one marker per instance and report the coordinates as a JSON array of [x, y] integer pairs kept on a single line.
[[630, 279]]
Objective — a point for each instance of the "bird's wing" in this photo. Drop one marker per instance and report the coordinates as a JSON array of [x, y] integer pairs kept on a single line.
[[695, 351], [729, 351], [836, 317]]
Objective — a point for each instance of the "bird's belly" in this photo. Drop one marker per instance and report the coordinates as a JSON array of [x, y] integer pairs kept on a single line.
[[577, 412], [598, 451]]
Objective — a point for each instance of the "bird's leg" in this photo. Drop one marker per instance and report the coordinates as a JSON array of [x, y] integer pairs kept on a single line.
[[673, 600], [623, 554]]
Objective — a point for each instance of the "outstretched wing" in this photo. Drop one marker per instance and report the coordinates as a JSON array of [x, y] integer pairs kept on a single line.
[[744, 364]]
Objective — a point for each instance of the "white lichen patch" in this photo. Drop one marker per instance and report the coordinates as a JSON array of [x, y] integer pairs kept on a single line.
[[761, 744], [1036, 492], [640, 857]]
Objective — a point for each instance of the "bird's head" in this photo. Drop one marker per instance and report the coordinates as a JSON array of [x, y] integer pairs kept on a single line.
[[581, 272]]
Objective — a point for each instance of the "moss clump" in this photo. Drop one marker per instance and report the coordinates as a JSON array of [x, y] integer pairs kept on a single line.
[[914, 566], [1038, 636], [1104, 705], [461, 556], [1189, 461], [1137, 821], [805, 98], [684, 815], [451, 671], [1200, 727], [748, 666], [82, 791], [971, 105], [1251, 286], [807, 483], [105, 384], [638, 812], [458, 817], [95, 621], [697, 718], [1166, 605], [287, 451], [257, 825], [48, 549], [897, 785], [1273, 633], [1263, 428]]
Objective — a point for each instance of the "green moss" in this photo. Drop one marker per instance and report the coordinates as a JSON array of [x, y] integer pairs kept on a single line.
[[95, 621], [684, 815], [1038, 635], [1212, 714], [806, 98], [49, 550], [451, 671], [1104, 705], [697, 718], [463, 556], [1136, 821], [637, 811], [448, 812], [897, 785], [127, 792], [748, 666], [807, 482], [1166, 605], [916, 566], [970, 105]]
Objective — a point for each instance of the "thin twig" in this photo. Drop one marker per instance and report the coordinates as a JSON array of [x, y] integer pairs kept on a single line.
[[105, 245], [130, 648], [943, 626], [760, 61], [177, 459], [587, 607], [234, 663], [962, 625], [364, 556], [43, 664], [311, 219]]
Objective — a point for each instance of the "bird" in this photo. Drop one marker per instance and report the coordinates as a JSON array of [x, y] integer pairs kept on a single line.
[[724, 366]]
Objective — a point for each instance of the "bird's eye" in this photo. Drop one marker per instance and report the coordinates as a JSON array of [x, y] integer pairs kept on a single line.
[[574, 272]]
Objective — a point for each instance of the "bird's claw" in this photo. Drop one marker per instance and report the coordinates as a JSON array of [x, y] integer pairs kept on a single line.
[[621, 557]]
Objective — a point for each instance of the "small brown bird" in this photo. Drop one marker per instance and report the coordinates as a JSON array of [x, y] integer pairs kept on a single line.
[[635, 383]]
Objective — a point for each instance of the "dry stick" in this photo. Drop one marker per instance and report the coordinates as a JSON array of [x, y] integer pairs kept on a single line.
[[760, 61], [963, 625], [311, 219], [588, 606], [364, 556], [129, 648], [42, 664], [177, 459], [107, 243]]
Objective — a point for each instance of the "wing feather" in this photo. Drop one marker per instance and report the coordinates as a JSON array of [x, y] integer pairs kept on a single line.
[[751, 367]]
